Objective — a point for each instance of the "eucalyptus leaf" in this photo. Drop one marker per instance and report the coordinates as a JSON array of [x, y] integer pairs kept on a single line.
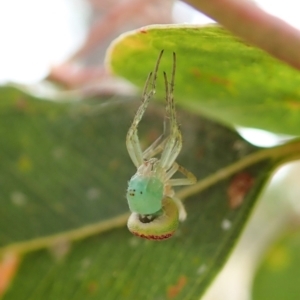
[[278, 274], [63, 182], [217, 75]]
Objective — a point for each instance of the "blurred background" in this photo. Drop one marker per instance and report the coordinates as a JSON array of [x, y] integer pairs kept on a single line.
[[37, 36]]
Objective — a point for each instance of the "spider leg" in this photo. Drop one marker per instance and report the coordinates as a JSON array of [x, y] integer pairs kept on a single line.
[[181, 209], [174, 141], [155, 148], [132, 139], [171, 171], [158, 145], [190, 177]]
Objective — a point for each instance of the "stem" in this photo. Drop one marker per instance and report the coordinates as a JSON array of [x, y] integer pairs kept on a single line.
[[281, 154], [246, 20], [72, 235]]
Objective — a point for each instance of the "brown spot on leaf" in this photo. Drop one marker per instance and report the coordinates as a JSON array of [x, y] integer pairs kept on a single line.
[[238, 188], [219, 80], [196, 72], [212, 78], [293, 105], [114, 164], [175, 289], [21, 104], [199, 153], [92, 287]]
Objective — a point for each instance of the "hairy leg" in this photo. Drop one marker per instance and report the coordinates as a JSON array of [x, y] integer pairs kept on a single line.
[[174, 141], [132, 139], [190, 177]]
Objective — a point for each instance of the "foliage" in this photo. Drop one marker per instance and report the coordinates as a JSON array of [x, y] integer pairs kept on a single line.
[[65, 169]]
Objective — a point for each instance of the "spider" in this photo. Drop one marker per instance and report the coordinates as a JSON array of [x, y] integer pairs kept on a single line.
[[156, 211]]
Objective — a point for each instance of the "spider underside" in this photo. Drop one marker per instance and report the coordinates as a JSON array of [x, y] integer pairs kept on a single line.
[[156, 173]]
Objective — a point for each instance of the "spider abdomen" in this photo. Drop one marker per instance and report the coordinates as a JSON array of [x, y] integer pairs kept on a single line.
[[161, 227], [145, 194]]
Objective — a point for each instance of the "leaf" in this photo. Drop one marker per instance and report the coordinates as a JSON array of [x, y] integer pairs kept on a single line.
[[278, 274], [63, 180], [55, 176], [217, 75]]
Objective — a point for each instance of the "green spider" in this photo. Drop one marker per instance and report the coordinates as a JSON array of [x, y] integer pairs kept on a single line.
[[156, 211]]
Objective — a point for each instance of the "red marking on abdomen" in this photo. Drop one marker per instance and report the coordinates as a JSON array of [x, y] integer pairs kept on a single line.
[[154, 237]]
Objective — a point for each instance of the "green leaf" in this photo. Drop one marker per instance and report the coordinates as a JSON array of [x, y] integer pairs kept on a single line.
[[55, 174], [279, 272], [217, 75], [63, 182]]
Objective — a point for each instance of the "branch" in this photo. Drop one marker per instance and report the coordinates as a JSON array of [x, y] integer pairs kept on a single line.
[[246, 20]]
